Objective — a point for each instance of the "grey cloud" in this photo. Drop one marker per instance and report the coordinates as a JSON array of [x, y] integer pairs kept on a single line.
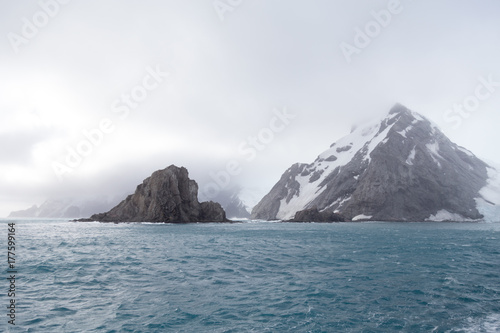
[[17, 147], [227, 76]]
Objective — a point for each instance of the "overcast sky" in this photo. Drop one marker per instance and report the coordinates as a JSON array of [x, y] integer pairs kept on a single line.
[[248, 87]]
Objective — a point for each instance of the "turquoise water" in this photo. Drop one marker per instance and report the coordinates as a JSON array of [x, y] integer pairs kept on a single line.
[[255, 277]]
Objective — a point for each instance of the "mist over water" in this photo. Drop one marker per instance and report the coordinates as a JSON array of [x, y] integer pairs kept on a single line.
[[275, 277]]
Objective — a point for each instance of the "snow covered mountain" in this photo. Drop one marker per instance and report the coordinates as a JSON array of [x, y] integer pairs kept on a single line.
[[400, 168]]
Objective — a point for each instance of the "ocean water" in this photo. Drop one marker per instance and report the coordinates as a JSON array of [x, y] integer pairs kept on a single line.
[[254, 277]]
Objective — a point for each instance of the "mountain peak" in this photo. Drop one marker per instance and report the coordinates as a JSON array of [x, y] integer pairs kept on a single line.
[[403, 113], [401, 167], [399, 108]]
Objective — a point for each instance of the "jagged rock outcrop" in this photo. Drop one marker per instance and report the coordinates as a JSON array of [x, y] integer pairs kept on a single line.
[[168, 195], [400, 168], [314, 215]]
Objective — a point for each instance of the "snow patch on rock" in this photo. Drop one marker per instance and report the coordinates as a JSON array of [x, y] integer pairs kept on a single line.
[[434, 150], [444, 215], [411, 157], [489, 202], [361, 217], [406, 130], [308, 191]]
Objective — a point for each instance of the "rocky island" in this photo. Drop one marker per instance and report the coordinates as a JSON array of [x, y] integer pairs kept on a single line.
[[167, 196]]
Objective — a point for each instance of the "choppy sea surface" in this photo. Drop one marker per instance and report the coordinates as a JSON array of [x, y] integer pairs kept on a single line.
[[254, 277]]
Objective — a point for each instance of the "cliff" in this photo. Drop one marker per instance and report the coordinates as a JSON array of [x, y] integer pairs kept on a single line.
[[168, 195]]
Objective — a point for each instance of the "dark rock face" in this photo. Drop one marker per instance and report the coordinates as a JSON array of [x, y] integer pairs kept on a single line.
[[212, 212], [314, 215], [402, 168], [166, 196]]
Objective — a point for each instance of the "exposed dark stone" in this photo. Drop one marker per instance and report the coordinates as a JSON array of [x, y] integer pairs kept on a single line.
[[212, 212], [341, 149], [306, 172], [316, 176], [314, 215], [166, 196]]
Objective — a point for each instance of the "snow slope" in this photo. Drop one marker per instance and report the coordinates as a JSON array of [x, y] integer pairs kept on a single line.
[[362, 140], [488, 203]]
